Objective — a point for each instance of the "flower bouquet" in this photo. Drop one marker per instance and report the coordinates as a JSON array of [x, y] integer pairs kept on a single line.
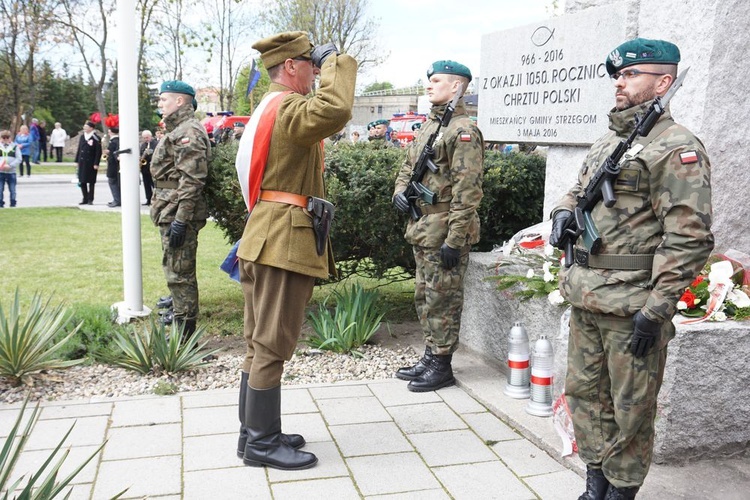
[[539, 262], [718, 293]]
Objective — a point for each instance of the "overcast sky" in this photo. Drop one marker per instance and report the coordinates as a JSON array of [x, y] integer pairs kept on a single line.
[[416, 33]]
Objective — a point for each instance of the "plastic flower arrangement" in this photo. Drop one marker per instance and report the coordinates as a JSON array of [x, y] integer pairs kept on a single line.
[[718, 293], [541, 263]]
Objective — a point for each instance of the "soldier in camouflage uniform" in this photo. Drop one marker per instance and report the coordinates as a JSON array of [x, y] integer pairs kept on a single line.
[[656, 239], [443, 237], [179, 167]]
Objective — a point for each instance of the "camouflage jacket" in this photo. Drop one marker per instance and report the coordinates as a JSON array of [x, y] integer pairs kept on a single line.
[[459, 155], [181, 158], [663, 208]]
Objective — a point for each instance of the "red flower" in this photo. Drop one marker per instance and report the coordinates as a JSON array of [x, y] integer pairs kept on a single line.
[[688, 298], [697, 281]]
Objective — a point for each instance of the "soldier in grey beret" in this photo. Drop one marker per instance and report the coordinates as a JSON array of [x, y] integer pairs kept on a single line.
[[655, 239]]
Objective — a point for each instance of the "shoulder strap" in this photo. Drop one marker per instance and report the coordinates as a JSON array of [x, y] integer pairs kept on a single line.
[[255, 143]]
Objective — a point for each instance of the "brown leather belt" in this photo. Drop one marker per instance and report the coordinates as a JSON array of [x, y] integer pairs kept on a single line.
[[166, 184], [297, 200], [437, 208]]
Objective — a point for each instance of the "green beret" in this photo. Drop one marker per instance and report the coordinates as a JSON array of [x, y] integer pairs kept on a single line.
[[642, 51], [416, 126], [381, 122], [370, 125], [448, 68], [278, 48], [177, 87]]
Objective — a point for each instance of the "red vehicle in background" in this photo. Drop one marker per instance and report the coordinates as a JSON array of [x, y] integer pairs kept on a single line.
[[214, 123], [401, 127]]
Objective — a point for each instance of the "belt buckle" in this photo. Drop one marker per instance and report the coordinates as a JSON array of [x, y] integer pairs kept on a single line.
[[581, 257]]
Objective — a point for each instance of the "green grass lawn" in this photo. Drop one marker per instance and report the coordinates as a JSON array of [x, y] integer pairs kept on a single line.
[[76, 256], [67, 167]]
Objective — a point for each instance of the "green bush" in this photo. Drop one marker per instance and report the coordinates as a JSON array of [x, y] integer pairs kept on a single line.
[[223, 192], [367, 232], [27, 344], [95, 338], [355, 319], [513, 195]]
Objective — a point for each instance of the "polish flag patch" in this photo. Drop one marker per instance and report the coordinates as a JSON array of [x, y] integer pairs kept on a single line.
[[465, 137], [185, 140], [688, 157]]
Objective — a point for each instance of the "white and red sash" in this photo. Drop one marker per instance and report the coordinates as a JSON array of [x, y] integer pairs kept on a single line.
[[255, 143]]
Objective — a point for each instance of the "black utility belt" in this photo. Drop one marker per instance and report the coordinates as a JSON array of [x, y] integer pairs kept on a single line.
[[619, 262]]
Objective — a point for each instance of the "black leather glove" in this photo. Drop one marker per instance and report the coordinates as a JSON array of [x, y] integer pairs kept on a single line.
[[176, 233], [645, 333], [558, 220], [449, 256], [401, 203], [321, 52]]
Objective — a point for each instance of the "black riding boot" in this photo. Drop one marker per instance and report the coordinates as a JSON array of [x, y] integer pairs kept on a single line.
[[596, 485], [412, 372], [438, 374], [264, 444], [296, 441], [621, 493]]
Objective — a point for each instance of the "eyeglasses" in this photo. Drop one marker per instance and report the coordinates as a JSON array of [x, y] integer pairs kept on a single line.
[[632, 73]]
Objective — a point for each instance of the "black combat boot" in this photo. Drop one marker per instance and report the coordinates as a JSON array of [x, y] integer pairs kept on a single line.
[[296, 441], [438, 374], [164, 302], [596, 485], [264, 445], [621, 493], [412, 372]]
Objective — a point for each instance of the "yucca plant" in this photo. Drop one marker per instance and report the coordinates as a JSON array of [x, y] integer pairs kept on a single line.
[[151, 347], [354, 321], [37, 487], [27, 344]]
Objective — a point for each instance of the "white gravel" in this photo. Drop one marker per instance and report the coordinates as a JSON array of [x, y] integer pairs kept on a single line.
[[307, 366]]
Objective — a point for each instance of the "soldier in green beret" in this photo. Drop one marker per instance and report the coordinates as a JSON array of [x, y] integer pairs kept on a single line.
[[280, 167], [656, 239], [442, 238], [378, 132], [179, 167]]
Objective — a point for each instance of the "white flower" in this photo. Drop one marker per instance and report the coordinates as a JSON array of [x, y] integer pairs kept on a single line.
[[719, 316], [530, 273], [738, 298], [548, 276], [721, 272], [549, 250], [681, 305], [555, 298]]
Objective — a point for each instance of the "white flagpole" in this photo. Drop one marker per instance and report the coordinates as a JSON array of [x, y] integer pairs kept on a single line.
[[127, 93]]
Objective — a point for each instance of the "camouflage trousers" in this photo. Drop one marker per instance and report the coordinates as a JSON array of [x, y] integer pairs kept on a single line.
[[439, 298], [179, 269], [612, 394]]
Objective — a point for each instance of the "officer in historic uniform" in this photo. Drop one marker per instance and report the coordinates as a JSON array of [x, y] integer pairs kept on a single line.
[[179, 167], [655, 240], [443, 236], [285, 245]]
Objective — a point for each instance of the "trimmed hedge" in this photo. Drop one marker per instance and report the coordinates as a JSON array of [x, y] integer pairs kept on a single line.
[[367, 232]]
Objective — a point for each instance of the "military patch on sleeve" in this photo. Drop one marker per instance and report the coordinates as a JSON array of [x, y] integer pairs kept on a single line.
[[465, 137], [185, 140], [688, 157]]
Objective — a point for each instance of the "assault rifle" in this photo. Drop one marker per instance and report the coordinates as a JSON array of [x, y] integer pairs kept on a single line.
[[415, 189], [599, 188]]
